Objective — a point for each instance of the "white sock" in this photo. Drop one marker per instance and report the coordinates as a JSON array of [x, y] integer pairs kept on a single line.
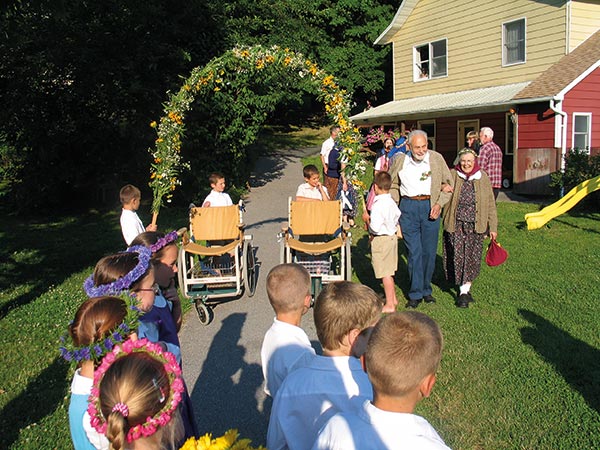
[[464, 289]]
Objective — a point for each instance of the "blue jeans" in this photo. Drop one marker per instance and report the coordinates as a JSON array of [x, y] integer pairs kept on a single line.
[[420, 237]]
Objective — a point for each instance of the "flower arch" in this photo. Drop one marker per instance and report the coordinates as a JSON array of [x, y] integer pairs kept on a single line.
[[220, 74]]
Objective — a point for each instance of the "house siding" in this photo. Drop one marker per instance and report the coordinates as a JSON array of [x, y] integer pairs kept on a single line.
[[475, 48], [536, 126], [585, 21], [583, 98]]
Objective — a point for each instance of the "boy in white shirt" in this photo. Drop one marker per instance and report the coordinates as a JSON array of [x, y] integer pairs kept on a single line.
[[131, 225], [383, 229], [217, 196], [344, 313], [402, 357], [285, 345], [311, 190]]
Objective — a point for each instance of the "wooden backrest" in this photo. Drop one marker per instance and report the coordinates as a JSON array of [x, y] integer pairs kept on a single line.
[[310, 218], [215, 223]]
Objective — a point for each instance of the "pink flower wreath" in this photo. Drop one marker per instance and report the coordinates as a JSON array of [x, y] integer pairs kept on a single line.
[[162, 417]]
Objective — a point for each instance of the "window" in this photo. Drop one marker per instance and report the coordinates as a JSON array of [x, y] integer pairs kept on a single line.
[[430, 60], [428, 126], [582, 131], [513, 42]]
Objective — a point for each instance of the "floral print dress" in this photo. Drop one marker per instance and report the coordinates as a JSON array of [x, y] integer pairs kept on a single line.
[[464, 247]]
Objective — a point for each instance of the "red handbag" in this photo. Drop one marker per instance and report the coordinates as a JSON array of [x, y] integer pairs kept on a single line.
[[496, 254]]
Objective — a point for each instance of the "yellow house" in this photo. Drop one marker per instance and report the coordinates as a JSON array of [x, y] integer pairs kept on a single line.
[[528, 69]]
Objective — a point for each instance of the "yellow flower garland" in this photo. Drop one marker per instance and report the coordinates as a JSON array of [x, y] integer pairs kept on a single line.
[[241, 61]]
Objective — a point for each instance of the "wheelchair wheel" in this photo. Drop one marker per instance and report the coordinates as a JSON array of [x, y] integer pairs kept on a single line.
[[181, 272], [249, 269], [205, 312], [348, 261]]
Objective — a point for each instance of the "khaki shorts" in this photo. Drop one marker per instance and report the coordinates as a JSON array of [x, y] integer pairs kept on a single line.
[[384, 255]]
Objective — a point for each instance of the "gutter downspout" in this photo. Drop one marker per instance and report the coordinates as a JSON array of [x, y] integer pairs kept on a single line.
[[556, 106]]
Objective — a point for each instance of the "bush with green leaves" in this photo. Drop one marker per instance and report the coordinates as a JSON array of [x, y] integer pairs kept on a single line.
[[579, 167]]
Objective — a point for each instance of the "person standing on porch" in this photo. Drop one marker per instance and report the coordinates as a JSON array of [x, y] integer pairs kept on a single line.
[[420, 183], [490, 158]]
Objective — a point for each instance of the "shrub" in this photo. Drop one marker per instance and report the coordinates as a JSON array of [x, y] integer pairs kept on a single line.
[[579, 166]]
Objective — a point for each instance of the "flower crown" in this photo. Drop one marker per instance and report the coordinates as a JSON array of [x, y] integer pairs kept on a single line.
[[467, 150], [96, 350], [126, 281], [171, 399], [164, 241]]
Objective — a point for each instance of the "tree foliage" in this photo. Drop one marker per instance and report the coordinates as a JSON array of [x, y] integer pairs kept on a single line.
[[337, 34], [80, 81]]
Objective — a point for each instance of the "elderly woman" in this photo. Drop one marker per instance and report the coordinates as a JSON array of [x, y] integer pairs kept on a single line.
[[467, 218]]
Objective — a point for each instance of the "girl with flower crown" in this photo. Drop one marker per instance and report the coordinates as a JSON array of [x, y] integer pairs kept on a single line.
[[100, 323], [166, 312], [131, 271], [136, 396], [163, 321]]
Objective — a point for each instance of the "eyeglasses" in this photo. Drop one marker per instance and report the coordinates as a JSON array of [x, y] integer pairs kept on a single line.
[[154, 289]]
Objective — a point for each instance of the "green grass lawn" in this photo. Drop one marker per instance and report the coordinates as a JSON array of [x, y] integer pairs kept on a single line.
[[521, 367]]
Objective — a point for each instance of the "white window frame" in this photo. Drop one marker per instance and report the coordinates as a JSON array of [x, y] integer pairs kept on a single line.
[[420, 124], [589, 130], [505, 63], [417, 75], [508, 119]]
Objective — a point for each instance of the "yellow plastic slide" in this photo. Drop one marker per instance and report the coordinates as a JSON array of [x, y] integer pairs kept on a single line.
[[538, 219]]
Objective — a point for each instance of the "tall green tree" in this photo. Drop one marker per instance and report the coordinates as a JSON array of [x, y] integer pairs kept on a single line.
[[339, 35], [80, 82]]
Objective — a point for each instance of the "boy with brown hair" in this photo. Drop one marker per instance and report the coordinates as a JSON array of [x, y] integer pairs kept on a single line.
[[402, 357], [344, 313], [312, 189], [217, 195], [286, 346], [131, 225], [383, 236]]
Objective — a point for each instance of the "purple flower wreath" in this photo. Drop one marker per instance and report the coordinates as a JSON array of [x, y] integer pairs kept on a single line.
[[126, 281], [164, 241]]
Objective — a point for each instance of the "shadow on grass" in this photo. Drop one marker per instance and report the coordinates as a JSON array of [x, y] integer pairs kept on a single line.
[[225, 393], [361, 263], [39, 399], [37, 254], [589, 230], [577, 361]]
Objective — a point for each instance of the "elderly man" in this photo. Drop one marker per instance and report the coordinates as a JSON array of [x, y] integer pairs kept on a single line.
[[490, 158], [419, 182]]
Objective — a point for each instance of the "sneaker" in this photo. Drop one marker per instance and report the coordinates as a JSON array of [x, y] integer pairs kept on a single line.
[[429, 299], [471, 299], [462, 301], [413, 303]]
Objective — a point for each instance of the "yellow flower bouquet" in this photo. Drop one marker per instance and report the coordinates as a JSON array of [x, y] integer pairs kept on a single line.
[[229, 441]]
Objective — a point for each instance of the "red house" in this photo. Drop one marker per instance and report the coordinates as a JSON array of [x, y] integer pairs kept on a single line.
[[530, 71]]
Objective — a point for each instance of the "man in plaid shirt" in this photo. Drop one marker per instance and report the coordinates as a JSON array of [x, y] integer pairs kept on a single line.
[[490, 158]]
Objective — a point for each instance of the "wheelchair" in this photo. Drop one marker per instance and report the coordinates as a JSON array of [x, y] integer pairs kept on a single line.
[[316, 238], [216, 259]]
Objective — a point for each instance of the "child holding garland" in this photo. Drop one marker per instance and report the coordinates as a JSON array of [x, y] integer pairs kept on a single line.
[[135, 398], [100, 323]]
